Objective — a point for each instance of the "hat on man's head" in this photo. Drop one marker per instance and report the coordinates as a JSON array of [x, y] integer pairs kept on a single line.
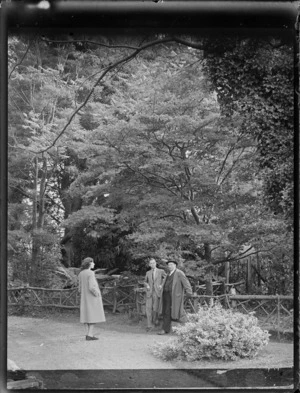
[[172, 261]]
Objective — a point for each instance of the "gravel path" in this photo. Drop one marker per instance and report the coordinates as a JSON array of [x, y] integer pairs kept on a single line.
[[59, 344]]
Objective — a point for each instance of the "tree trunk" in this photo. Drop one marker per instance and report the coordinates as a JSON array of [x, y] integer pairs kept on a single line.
[[227, 272], [38, 214], [195, 215], [207, 257], [249, 276], [208, 288], [208, 278], [71, 205], [41, 207], [35, 247], [258, 271]]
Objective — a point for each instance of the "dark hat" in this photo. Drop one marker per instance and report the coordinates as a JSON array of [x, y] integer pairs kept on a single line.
[[172, 261]]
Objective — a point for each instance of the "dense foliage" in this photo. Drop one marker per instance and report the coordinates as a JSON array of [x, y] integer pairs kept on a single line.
[[126, 147], [214, 333], [254, 80]]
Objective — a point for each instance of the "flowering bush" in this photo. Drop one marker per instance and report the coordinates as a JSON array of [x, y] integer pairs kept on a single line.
[[214, 332]]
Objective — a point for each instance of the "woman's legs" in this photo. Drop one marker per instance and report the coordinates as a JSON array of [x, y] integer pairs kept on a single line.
[[90, 329]]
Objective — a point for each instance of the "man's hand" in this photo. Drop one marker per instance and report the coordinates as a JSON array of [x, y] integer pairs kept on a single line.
[[189, 295]]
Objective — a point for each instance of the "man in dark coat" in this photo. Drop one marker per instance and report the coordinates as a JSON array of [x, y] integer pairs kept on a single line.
[[174, 286]]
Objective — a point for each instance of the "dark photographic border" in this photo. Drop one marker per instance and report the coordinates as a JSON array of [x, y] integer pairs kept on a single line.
[[251, 17]]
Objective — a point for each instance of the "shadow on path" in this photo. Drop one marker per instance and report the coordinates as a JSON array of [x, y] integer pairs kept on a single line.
[[179, 379]]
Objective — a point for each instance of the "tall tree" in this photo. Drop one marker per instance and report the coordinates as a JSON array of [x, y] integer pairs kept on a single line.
[[180, 174], [127, 138]]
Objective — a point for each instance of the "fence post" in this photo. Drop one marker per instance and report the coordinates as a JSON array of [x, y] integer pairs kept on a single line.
[[137, 300], [195, 304], [227, 303], [278, 316], [233, 292], [227, 272], [249, 275], [115, 297]]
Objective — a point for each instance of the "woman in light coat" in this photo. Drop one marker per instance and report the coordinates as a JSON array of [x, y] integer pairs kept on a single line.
[[91, 306]]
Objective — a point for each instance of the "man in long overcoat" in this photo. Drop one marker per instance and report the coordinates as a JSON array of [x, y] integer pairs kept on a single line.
[[174, 287], [153, 282]]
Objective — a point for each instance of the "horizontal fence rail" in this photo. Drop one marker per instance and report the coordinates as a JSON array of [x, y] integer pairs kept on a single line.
[[273, 312], [43, 297], [119, 298]]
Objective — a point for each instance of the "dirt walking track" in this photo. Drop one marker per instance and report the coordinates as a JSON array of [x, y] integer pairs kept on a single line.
[[58, 343]]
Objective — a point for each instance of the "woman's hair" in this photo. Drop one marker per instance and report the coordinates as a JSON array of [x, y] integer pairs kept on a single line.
[[86, 263]]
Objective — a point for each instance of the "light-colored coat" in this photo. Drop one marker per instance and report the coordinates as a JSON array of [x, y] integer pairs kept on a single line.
[[91, 306], [153, 294], [158, 281], [180, 285]]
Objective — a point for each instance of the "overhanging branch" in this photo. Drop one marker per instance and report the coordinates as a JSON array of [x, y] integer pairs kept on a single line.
[[240, 256]]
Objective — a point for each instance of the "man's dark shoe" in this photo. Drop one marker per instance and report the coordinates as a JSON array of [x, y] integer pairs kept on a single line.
[[89, 338]]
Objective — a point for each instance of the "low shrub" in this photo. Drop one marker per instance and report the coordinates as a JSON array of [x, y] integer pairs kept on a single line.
[[214, 333]]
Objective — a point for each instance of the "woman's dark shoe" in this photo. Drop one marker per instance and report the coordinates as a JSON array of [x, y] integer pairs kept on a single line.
[[88, 338]]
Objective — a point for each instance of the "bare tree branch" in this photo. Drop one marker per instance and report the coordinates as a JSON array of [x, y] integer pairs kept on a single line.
[[240, 256], [171, 215], [72, 41], [232, 166], [21, 61]]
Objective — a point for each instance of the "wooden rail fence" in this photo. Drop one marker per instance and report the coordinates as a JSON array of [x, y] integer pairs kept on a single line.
[[273, 312], [116, 297]]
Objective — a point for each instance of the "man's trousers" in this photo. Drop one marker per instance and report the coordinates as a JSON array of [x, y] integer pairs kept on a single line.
[[152, 305], [166, 310]]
